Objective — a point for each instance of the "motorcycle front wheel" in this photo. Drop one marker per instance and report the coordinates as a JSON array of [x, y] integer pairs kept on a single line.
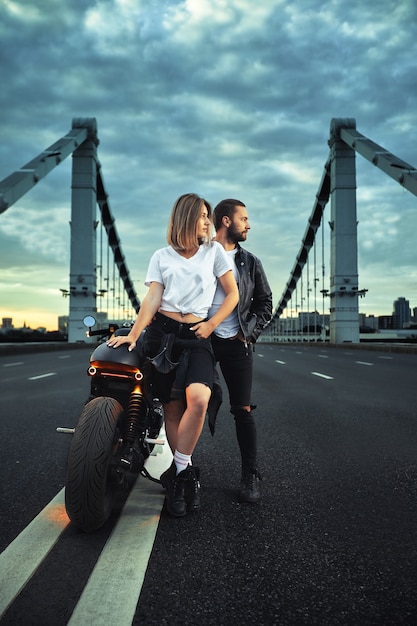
[[90, 487]]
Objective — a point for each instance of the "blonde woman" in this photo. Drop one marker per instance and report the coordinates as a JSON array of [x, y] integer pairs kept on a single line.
[[182, 279]]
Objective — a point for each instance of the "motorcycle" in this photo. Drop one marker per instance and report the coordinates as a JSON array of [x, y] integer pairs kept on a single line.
[[115, 433]]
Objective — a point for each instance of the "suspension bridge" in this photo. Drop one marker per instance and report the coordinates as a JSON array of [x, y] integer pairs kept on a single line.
[[337, 185]]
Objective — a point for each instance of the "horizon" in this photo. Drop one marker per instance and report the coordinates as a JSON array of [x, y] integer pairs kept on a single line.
[[34, 325]]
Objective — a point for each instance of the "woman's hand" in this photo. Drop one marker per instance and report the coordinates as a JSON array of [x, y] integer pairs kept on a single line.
[[150, 305], [117, 341]]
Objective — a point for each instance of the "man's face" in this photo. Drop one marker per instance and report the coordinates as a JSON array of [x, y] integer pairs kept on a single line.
[[239, 225]]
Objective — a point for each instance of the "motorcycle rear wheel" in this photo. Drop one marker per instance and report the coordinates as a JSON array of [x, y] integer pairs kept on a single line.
[[90, 487]]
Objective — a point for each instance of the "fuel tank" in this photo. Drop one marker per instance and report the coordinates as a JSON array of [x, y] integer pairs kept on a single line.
[[135, 358]]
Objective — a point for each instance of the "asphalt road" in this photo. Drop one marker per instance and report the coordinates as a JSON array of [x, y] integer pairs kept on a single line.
[[334, 540]]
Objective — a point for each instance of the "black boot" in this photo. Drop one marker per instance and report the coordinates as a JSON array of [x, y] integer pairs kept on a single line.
[[250, 490], [192, 488], [175, 491]]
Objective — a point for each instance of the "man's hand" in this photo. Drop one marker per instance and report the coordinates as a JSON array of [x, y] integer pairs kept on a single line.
[[202, 330]]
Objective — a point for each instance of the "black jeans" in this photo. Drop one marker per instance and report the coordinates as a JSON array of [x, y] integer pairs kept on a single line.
[[236, 363]]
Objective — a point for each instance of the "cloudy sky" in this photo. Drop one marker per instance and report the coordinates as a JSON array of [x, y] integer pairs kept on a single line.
[[225, 98]]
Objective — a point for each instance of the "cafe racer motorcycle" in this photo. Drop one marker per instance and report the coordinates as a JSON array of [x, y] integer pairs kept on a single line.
[[115, 433]]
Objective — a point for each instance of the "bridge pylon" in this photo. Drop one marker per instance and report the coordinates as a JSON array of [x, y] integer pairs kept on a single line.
[[82, 289], [344, 310]]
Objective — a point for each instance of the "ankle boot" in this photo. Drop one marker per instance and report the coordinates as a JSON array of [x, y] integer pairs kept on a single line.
[[175, 491], [192, 488], [250, 486]]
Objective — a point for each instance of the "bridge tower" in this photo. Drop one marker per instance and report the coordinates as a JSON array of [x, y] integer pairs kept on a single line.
[[82, 291], [344, 311]]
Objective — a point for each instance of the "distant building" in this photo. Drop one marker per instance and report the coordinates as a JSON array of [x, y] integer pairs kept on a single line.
[[63, 324], [401, 313], [385, 322], [310, 321], [368, 323], [7, 322]]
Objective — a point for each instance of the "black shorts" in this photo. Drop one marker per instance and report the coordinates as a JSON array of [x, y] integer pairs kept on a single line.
[[200, 362]]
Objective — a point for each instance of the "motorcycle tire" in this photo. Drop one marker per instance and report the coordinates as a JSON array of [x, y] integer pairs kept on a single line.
[[89, 490]]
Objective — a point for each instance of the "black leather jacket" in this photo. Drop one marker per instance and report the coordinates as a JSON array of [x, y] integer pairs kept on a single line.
[[255, 296]]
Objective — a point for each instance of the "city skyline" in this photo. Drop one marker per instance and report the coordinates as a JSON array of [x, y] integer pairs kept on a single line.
[[291, 312], [223, 99]]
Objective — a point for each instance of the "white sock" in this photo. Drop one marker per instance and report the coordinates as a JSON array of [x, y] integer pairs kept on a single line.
[[181, 461]]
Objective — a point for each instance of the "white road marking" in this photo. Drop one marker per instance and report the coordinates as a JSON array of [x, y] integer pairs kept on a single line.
[[42, 376], [13, 364], [322, 375], [363, 363], [130, 543], [280, 362], [113, 599], [323, 356], [24, 555]]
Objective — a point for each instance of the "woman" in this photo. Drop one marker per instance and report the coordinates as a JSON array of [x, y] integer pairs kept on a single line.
[[182, 280]]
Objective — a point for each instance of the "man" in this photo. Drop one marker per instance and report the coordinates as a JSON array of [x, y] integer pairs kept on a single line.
[[233, 339]]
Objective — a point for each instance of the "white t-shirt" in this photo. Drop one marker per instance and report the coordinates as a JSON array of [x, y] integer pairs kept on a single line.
[[230, 326], [189, 284]]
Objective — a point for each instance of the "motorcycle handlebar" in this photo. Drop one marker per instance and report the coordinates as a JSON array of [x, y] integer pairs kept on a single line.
[[102, 332], [92, 333]]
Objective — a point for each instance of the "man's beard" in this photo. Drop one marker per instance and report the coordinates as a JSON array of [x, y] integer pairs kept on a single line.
[[235, 236]]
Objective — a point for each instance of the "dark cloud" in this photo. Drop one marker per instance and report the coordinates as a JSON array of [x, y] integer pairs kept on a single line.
[[225, 99]]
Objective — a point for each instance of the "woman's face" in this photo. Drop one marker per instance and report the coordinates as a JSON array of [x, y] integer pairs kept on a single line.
[[203, 223]]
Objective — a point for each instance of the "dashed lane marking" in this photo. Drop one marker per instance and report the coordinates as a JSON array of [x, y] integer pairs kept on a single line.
[[42, 376], [322, 375]]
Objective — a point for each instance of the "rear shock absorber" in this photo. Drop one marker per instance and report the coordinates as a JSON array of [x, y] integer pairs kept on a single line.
[[136, 416]]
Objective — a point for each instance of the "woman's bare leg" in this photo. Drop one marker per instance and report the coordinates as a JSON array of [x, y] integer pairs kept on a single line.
[[173, 412], [183, 425], [192, 421]]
